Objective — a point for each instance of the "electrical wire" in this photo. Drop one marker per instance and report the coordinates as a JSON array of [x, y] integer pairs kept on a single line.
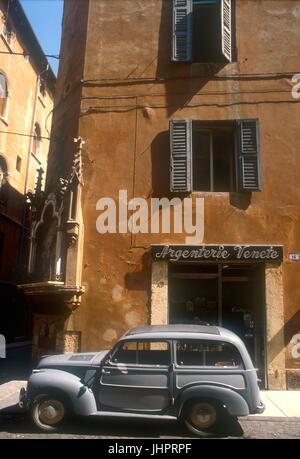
[[23, 135], [53, 56], [122, 109]]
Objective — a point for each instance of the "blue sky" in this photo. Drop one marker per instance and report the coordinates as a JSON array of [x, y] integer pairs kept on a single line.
[[45, 17]]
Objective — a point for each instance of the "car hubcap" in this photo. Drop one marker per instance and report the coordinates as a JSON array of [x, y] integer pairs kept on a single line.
[[203, 415], [51, 412]]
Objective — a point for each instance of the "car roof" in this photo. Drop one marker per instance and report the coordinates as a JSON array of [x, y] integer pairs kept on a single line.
[[174, 328], [183, 331]]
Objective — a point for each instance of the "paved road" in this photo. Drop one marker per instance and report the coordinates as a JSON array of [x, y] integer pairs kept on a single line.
[[19, 426]]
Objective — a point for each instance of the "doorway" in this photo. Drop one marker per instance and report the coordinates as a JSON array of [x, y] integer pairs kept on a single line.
[[230, 295]]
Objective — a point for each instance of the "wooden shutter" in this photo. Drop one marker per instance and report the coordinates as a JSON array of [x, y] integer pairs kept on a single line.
[[226, 24], [248, 155], [182, 30], [181, 155]]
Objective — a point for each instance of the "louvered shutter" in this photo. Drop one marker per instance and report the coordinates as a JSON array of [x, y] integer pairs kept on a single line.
[[248, 155], [181, 155], [182, 30], [226, 24]]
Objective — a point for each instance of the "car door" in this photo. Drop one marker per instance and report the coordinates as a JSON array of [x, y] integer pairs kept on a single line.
[[207, 362], [136, 377]]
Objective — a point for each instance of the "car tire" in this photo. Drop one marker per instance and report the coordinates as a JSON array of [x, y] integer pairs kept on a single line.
[[201, 417], [49, 412]]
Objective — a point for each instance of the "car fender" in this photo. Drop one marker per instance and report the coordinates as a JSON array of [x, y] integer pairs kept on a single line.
[[236, 405], [80, 396]]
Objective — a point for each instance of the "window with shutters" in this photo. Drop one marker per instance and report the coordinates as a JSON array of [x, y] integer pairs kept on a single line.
[[220, 156], [3, 95], [203, 31]]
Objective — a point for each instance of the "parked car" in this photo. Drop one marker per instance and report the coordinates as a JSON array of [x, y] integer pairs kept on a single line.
[[198, 374]]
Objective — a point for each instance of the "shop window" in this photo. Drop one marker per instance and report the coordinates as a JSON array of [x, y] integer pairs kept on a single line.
[[202, 31], [207, 353], [215, 156], [143, 353], [3, 95], [37, 140]]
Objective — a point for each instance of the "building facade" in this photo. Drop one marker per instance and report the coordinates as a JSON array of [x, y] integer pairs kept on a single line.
[[192, 101], [26, 101]]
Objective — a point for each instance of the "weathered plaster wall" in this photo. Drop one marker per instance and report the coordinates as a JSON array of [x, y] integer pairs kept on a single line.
[[130, 92], [15, 141]]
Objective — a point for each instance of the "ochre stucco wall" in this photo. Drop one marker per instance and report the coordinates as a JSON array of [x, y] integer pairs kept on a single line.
[[130, 92]]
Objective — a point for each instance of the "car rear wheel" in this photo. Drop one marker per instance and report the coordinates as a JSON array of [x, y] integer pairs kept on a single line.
[[48, 413], [201, 417]]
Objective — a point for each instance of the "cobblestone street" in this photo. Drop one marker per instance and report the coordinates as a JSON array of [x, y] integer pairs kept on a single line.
[[19, 427]]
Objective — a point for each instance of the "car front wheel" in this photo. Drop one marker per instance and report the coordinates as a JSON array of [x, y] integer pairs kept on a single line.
[[201, 418], [48, 413]]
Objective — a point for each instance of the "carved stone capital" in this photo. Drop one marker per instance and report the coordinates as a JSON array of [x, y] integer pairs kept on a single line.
[[72, 232]]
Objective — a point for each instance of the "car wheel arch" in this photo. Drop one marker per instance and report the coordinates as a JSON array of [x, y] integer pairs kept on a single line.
[[234, 403]]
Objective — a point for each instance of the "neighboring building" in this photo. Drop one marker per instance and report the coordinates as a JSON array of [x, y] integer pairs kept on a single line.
[[26, 103], [213, 79]]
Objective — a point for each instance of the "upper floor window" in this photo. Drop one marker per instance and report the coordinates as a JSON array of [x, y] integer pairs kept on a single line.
[[37, 140], [3, 95], [202, 31], [215, 156]]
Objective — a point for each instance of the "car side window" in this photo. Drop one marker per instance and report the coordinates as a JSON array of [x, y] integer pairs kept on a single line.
[[154, 353], [207, 354]]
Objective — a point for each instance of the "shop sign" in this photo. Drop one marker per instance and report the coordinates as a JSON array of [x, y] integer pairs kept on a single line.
[[218, 253]]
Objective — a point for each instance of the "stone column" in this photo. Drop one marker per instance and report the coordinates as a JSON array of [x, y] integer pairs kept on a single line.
[[275, 360], [159, 293]]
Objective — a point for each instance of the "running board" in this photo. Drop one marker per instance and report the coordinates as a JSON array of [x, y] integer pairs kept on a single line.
[[133, 415]]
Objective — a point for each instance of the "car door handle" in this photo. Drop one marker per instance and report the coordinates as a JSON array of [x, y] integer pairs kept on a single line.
[[105, 372]]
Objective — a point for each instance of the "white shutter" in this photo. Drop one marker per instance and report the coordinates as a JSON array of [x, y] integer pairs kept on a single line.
[[182, 30], [181, 155], [249, 155], [226, 24]]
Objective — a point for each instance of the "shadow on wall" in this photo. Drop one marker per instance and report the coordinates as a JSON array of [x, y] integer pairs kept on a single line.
[[240, 200], [182, 79], [290, 328], [140, 279]]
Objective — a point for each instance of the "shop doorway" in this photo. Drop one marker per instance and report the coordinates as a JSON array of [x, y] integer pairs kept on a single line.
[[230, 295]]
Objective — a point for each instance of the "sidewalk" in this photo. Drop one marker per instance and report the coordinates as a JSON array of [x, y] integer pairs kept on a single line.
[[280, 403], [9, 393]]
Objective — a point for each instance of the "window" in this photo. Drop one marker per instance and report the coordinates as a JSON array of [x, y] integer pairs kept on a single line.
[[215, 156], [3, 95], [202, 31], [3, 184], [19, 164], [42, 89], [207, 354], [37, 140], [8, 32], [143, 353]]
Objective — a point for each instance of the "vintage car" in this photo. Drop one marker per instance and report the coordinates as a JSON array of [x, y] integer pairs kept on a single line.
[[194, 373]]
